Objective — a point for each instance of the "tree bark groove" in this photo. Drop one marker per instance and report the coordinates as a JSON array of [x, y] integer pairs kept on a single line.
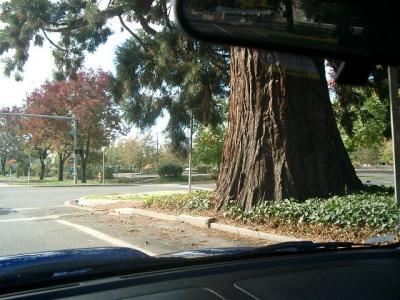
[[282, 140]]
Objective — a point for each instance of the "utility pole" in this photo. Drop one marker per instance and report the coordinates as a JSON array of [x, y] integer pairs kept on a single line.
[[157, 157], [103, 149], [395, 120], [75, 133], [29, 171], [190, 153], [74, 126]]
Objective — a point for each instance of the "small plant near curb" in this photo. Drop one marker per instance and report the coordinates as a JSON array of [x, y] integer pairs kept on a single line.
[[374, 209], [196, 201]]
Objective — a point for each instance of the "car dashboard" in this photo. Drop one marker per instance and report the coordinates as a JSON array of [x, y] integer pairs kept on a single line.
[[346, 274]]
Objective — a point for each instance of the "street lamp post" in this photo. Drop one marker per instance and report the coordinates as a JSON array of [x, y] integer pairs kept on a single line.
[[75, 134], [103, 149], [190, 153]]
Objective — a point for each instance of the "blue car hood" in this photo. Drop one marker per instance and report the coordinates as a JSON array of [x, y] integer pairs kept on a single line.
[[88, 256], [75, 262]]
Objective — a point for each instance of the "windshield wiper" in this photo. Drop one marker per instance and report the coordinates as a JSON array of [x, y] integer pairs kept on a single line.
[[308, 246]]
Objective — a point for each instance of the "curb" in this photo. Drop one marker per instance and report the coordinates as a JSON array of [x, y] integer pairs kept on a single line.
[[253, 233], [208, 222], [196, 221], [99, 202], [96, 202]]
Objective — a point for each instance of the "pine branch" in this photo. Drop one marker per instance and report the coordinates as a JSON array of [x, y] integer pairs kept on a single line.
[[132, 33], [51, 42]]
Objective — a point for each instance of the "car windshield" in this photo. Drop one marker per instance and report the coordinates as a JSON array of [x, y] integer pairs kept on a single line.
[[117, 129]]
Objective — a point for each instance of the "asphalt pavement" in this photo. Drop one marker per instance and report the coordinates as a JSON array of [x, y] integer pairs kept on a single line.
[[36, 219], [376, 176]]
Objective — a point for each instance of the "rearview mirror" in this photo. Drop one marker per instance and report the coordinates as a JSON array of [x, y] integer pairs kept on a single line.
[[347, 30]]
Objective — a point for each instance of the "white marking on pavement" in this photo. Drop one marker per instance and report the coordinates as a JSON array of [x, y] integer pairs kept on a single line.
[[50, 217], [33, 208], [102, 236]]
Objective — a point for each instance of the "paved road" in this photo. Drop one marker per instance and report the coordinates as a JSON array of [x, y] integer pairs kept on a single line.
[[376, 176], [34, 219]]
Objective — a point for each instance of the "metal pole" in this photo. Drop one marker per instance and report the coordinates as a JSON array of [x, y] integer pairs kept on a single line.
[[158, 162], [104, 166], [75, 128], [190, 152], [29, 173], [395, 119], [37, 116]]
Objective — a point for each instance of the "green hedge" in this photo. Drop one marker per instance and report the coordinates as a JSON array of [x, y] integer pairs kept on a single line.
[[170, 170]]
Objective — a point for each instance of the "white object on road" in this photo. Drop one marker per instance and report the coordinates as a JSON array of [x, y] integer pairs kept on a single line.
[[196, 221]]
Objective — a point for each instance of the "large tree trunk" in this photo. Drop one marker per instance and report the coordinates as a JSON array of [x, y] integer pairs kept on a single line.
[[84, 160], [83, 170], [42, 169], [61, 161], [3, 166], [282, 140]]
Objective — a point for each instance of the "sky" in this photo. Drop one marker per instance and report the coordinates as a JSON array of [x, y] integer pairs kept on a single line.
[[40, 66]]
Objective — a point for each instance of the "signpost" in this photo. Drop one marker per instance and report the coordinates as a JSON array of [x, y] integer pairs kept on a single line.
[[103, 149], [74, 128]]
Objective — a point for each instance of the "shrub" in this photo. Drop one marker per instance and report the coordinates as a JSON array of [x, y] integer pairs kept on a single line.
[[194, 201], [109, 173], [202, 168], [170, 170], [376, 211], [214, 173]]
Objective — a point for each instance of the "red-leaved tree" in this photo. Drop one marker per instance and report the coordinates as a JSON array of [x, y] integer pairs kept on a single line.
[[87, 99]]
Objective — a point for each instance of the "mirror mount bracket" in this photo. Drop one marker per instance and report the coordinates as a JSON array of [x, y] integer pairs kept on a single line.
[[354, 72]]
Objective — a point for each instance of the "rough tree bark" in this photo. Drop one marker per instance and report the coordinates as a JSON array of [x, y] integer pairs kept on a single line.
[[84, 160], [282, 139], [42, 170], [43, 153], [3, 165], [62, 157]]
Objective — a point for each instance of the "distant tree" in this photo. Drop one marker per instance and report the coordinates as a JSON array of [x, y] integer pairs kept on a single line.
[[368, 125], [98, 117], [135, 153], [208, 145], [11, 139], [39, 132], [368, 121], [130, 153], [87, 99], [114, 157]]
